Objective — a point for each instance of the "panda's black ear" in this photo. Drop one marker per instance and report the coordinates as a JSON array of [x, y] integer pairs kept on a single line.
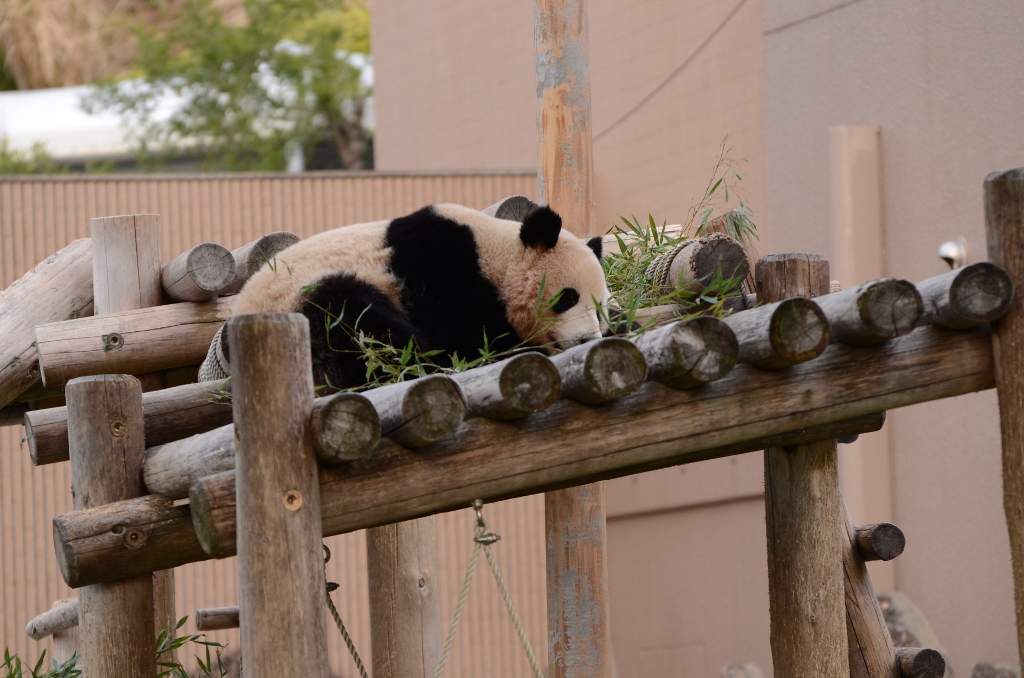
[[596, 245], [541, 227]]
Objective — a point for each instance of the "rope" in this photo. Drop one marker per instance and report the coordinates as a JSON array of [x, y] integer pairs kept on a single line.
[[483, 539], [331, 586]]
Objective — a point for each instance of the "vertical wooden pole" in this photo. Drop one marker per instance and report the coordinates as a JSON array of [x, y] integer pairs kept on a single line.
[[577, 575], [1004, 217], [65, 643], [405, 608], [281, 586], [802, 516], [105, 435], [126, 276]]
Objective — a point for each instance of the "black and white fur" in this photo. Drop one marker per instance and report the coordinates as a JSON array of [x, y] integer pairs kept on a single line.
[[444, 276]]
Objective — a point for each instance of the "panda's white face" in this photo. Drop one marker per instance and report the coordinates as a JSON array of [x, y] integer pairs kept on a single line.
[[574, 288]]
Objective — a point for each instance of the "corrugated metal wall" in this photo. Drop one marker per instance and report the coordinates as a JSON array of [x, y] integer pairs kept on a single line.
[[39, 216]]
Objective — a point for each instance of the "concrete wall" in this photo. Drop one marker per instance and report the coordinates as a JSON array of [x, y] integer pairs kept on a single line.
[[942, 80]]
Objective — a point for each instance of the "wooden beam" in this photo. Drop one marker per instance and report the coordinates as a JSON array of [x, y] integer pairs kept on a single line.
[[134, 342], [116, 619], [249, 259], [57, 289], [199, 274], [802, 511], [170, 414], [1004, 218], [58, 618], [217, 618], [916, 662], [600, 371], [652, 428], [966, 297], [872, 654], [880, 541], [781, 334], [511, 389], [281, 583], [419, 412], [873, 312], [689, 353]]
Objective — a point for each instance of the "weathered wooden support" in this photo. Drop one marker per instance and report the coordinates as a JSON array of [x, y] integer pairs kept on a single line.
[[405, 602], [802, 513], [217, 618], [513, 208], [871, 313], [721, 224], [281, 581], [65, 641], [696, 263], [169, 414], [880, 541], [641, 432], [781, 334], [966, 297], [601, 370], [1004, 218], [419, 412], [511, 389], [342, 427], [59, 288], [136, 342], [60, 617], [249, 259], [212, 503], [916, 662], [116, 619], [199, 274], [689, 353], [871, 651], [14, 415]]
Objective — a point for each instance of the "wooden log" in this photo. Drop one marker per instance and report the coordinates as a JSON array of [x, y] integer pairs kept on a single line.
[[872, 654], [126, 262], [14, 415], [1004, 219], [511, 389], [249, 259], [116, 620], [59, 618], [696, 263], [802, 513], [342, 427], [212, 501], [199, 274], [217, 618], [58, 289], [65, 642], [721, 224], [601, 370], [966, 297], [642, 432], [916, 662], [880, 541], [419, 412], [280, 556], [781, 334], [170, 414], [140, 341], [874, 312], [513, 208], [690, 352], [405, 600]]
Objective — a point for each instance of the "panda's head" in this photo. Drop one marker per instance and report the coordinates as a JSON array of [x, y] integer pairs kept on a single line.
[[560, 282]]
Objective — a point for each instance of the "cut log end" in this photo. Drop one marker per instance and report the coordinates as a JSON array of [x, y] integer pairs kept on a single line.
[[798, 331], [890, 308], [211, 266], [344, 427], [602, 370], [915, 662], [981, 293], [720, 253], [530, 383], [205, 499], [699, 351], [217, 618], [250, 258], [432, 409], [880, 541]]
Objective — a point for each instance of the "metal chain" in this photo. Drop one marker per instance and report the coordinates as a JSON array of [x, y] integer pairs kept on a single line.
[[331, 586], [483, 539]]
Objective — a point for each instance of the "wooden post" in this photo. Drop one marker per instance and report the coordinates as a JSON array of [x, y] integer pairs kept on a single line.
[[405, 605], [1004, 217], [577, 580], [125, 277], [116, 620], [65, 641], [281, 584], [802, 514]]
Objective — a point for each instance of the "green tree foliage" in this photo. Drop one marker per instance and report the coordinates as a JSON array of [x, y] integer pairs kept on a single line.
[[36, 161], [246, 91]]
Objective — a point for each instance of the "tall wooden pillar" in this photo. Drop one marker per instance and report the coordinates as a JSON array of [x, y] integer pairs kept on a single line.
[[106, 438], [577, 574], [802, 516], [1004, 216], [126, 277], [282, 591]]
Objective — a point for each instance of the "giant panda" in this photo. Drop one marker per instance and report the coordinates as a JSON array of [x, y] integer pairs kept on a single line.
[[445, 276]]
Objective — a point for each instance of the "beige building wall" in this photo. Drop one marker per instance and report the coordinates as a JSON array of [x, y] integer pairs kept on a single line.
[[941, 79]]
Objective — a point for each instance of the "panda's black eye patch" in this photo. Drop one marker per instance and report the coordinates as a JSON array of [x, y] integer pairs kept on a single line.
[[567, 298]]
